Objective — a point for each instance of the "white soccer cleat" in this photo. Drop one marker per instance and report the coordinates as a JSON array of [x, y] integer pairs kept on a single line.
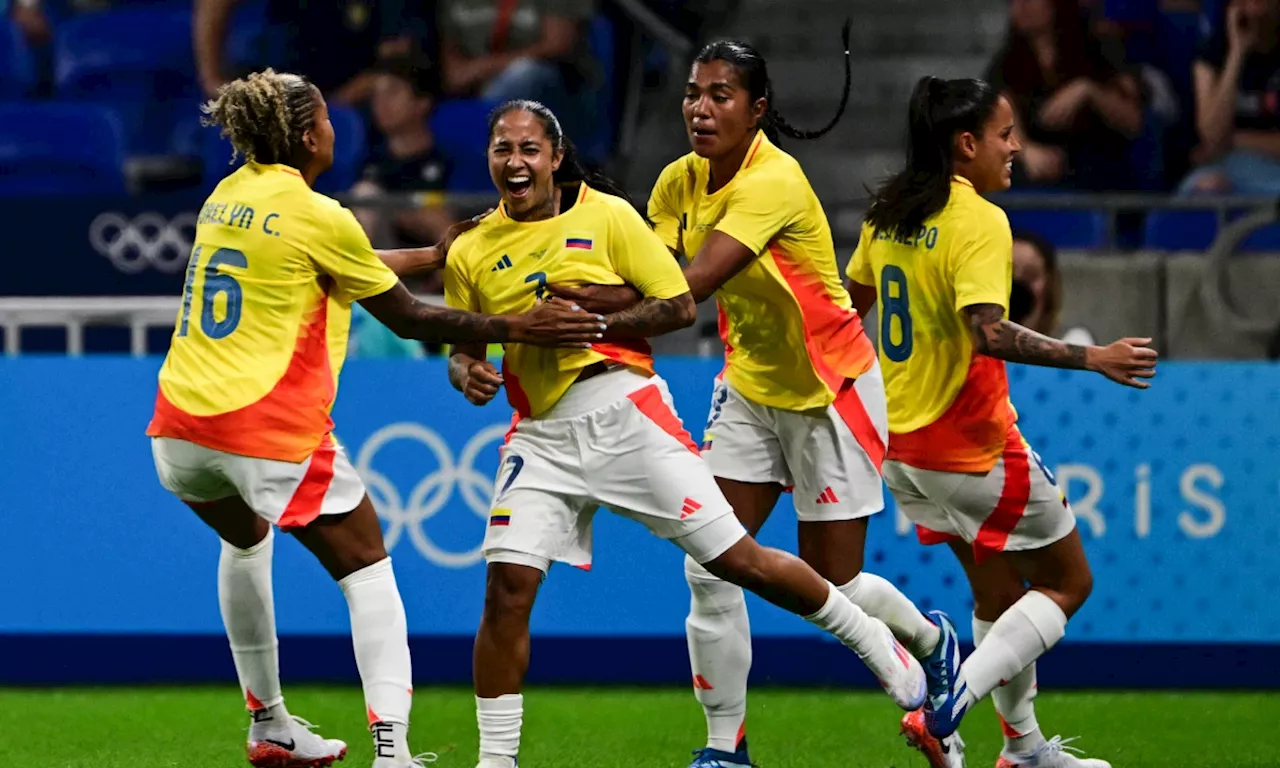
[[1054, 753], [295, 746], [903, 678], [417, 761]]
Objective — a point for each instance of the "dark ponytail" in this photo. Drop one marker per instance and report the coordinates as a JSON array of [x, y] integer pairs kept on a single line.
[[753, 71], [939, 110], [572, 170]]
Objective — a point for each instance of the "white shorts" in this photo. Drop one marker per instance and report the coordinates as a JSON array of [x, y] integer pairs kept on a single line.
[[282, 493], [1016, 506], [615, 441], [830, 458]]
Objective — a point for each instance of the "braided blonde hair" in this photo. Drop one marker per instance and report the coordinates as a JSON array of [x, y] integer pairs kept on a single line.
[[264, 115]]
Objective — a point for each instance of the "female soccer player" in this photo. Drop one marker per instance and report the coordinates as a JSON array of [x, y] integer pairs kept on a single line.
[[596, 427], [800, 404], [939, 258], [241, 430]]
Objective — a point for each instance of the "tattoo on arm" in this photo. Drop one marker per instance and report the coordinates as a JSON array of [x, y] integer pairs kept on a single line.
[[651, 317], [409, 318], [999, 338]]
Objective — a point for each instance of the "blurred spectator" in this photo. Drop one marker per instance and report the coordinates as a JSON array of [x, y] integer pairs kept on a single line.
[[1076, 104], [406, 159], [334, 43], [1036, 298], [1237, 87], [30, 17], [521, 49]]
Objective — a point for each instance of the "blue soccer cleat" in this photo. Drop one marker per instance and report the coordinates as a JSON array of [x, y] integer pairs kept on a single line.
[[718, 758], [947, 702]]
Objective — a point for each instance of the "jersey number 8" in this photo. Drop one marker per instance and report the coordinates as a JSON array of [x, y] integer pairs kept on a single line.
[[215, 283], [895, 301]]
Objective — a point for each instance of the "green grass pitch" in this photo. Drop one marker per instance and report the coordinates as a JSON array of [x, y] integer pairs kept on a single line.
[[626, 728]]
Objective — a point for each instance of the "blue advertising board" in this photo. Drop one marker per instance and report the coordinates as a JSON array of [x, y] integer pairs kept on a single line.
[[1175, 490]]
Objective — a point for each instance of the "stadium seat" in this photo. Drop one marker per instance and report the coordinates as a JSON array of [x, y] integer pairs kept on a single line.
[[60, 149], [1190, 230], [139, 61], [1080, 229], [461, 128], [17, 68], [601, 42]]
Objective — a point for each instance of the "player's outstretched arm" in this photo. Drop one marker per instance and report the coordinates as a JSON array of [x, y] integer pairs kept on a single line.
[[554, 323], [718, 260], [472, 375], [1127, 361], [652, 317], [406, 262]]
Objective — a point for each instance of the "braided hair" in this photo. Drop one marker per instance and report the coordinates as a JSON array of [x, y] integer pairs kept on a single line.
[[265, 115], [753, 71]]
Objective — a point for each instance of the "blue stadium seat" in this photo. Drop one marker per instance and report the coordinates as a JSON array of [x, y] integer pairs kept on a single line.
[[1064, 228], [348, 156], [17, 69], [137, 60], [1190, 230], [600, 40], [461, 128], [51, 148]]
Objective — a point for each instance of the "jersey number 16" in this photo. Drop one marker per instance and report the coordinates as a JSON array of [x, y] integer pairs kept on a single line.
[[895, 301], [215, 283]]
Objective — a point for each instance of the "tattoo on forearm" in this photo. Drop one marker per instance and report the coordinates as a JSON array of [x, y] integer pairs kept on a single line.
[[651, 317], [432, 323], [1000, 338], [458, 365]]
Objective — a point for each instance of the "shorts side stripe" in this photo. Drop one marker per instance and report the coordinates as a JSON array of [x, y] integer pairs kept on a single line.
[[649, 402], [855, 416], [308, 497], [995, 530]]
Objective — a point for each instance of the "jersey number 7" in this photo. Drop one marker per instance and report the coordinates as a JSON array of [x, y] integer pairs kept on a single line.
[[215, 282], [895, 301]]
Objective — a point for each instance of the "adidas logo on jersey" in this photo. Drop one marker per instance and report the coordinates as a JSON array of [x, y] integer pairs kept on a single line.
[[828, 497], [503, 263]]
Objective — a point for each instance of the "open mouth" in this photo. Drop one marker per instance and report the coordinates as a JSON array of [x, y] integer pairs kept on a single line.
[[703, 133], [519, 186]]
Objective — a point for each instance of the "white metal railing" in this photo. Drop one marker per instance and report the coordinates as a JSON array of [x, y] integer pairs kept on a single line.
[[75, 313]]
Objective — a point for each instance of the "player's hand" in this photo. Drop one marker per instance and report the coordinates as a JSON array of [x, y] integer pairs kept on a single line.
[[601, 299], [1127, 361], [482, 383], [456, 230], [557, 323]]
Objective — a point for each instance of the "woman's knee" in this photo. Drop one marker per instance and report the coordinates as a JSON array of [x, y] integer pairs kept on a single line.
[[510, 590]]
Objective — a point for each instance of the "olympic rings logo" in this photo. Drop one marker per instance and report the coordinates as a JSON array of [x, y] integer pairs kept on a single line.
[[150, 239], [433, 492]]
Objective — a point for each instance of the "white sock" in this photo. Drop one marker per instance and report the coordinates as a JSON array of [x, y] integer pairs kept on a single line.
[[380, 634], [1021, 635], [248, 613], [500, 720], [856, 630], [881, 599], [1015, 703], [719, 635]]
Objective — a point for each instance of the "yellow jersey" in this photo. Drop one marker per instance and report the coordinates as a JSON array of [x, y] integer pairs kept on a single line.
[[503, 267], [790, 333], [949, 406], [260, 337]]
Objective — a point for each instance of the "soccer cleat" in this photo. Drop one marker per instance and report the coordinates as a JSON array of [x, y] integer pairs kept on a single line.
[[945, 706], [718, 758], [296, 747], [1054, 753], [904, 681], [417, 761], [494, 762], [941, 753]]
